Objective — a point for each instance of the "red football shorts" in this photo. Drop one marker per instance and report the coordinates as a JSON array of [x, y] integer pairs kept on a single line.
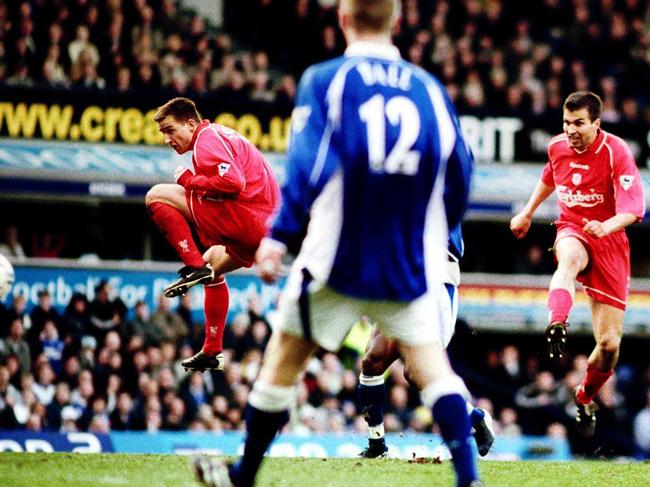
[[607, 276], [238, 227]]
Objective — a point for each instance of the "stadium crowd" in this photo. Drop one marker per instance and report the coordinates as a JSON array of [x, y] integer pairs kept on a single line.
[[496, 56], [101, 367]]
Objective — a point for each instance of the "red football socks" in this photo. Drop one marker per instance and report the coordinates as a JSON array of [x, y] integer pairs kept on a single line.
[[591, 384], [559, 304], [217, 299], [176, 230]]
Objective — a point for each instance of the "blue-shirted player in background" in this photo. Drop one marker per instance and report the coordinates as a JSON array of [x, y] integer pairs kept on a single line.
[[382, 352], [375, 144]]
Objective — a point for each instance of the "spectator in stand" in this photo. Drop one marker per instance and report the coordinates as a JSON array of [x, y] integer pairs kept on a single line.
[[147, 77], [171, 326], [42, 313], [77, 321], [43, 387], [184, 310], [106, 312], [175, 419], [95, 416], [113, 388], [52, 346], [87, 353], [11, 246], [259, 87], [194, 394], [15, 345], [142, 326], [509, 371], [9, 397], [123, 80], [257, 336], [69, 416], [83, 73], [83, 393], [70, 372], [53, 71], [18, 309], [540, 403], [82, 43], [123, 417], [285, 90], [507, 424], [147, 27], [53, 410]]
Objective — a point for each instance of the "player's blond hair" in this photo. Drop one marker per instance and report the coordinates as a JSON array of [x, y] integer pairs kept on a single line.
[[181, 109], [375, 16]]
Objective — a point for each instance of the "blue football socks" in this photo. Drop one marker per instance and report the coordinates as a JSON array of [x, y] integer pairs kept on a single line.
[[261, 428], [450, 412], [371, 400]]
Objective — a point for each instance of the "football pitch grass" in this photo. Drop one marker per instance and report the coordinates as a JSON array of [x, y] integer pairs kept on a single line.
[[74, 469]]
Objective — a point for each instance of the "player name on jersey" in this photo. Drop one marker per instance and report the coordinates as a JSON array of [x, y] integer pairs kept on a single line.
[[374, 73]]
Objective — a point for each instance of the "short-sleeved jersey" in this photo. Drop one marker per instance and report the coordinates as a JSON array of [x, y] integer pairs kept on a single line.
[[378, 160], [597, 183], [228, 166]]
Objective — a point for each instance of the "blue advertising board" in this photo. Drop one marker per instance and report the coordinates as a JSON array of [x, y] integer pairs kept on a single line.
[[328, 445], [78, 442], [345, 445], [132, 283]]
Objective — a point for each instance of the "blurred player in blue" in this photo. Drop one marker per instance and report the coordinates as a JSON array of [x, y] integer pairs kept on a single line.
[[382, 352], [375, 142]]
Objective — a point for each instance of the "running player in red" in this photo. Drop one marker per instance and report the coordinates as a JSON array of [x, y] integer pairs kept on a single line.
[[600, 193], [228, 199]]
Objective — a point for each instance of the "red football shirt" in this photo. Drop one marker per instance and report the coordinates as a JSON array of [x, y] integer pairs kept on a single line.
[[227, 165], [596, 183]]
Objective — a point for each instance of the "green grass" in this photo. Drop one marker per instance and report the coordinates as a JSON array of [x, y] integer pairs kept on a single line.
[[71, 470]]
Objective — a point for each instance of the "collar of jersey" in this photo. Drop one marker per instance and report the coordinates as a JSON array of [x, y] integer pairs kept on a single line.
[[204, 123], [594, 146], [373, 49]]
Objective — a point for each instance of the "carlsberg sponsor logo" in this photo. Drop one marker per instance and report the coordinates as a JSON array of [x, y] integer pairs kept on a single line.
[[578, 198]]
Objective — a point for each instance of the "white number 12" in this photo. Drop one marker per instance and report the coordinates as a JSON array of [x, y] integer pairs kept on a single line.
[[399, 111]]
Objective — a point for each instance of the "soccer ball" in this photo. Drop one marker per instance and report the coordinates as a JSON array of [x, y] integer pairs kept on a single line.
[[6, 277]]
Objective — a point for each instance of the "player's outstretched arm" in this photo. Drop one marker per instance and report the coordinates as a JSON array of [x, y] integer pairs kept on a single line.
[[520, 223]]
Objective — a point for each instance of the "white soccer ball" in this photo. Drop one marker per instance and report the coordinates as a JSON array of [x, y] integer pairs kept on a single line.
[[6, 277]]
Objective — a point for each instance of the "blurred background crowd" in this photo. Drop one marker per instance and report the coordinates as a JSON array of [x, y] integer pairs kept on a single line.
[[493, 56], [101, 367]]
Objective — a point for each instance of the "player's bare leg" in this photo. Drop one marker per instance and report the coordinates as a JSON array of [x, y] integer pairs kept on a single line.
[[572, 258], [427, 367], [273, 394], [169, 194], [216, 304], [380, 354], [608, 330]]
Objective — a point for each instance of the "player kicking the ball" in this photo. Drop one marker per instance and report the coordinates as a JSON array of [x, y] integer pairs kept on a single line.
[[228, 199], [600, 193]]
